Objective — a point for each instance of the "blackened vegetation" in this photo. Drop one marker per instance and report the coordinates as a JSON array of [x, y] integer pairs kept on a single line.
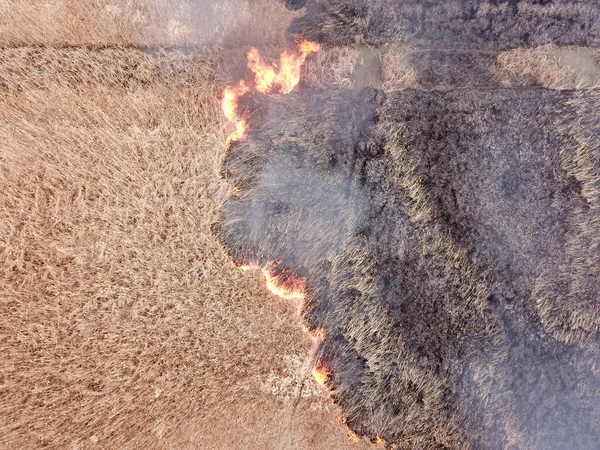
[[421, 231], [449, 237], [455, 24], [295, 4], [444, 70], [491, 170]]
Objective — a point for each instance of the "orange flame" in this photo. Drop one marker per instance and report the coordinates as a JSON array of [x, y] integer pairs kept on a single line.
[[290, 288], [320, 374], [266, 77], [229, 105], [353, 436], [378, 441], [288, 76]]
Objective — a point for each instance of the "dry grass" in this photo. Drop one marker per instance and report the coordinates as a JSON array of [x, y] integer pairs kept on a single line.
[[568, 303], [332, 67], [124, 325], [550, 66], [138, 22], [396, 70]]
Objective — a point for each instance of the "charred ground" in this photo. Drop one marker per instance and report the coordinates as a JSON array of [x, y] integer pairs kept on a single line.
[[422, 223], [447, 235], [474, 24]]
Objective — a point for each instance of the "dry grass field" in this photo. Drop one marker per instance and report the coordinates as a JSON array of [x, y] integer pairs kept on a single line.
[[123, 324]]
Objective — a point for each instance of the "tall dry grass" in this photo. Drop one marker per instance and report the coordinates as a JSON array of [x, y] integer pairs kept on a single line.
[[123, 323]]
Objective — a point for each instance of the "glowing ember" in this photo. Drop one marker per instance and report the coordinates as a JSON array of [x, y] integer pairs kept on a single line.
[[318, 334], [320, 374], [288, 75], [352, 435], [378, 441], [284, 285]]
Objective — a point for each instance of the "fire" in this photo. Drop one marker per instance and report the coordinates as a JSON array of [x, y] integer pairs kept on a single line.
[[378, 441], [287, 77], [229, 105], [265, 78], [320, 374], [353, 436], [284, 285], [264, 75]]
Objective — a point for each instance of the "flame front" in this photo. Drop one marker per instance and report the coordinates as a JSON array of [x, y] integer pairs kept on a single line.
[[265, 78], [289, 288], [320, 374], [353, 436], [285, 77], [288, 75], [230, 105]]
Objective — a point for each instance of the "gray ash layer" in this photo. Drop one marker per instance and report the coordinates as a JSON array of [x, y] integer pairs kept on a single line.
[[449, 238], [453, 24]]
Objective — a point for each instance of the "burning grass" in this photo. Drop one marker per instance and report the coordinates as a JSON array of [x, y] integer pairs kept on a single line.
[[124, 325]]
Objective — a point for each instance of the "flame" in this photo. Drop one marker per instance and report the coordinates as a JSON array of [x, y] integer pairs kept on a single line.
[[353, 436], [285, 285], [288, 288], [265, 78], [264, 75], [320, 374], [288, 75], [378, 441], [229, 106]]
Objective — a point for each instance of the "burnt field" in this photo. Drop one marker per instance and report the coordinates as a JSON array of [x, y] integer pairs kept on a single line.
[[446, 230]]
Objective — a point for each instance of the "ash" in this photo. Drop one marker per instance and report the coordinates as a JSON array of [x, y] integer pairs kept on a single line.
[[448, 235]]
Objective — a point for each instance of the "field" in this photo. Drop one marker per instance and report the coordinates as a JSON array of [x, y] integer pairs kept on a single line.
[[444, 223], [124, 325]]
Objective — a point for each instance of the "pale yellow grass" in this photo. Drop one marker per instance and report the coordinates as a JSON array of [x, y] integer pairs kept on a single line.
[[139, 22], [331, 67], [396, 69], [550, 66], [123, 323]]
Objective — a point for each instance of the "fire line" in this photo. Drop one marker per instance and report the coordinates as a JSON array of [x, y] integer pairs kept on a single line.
[[266, 77]]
